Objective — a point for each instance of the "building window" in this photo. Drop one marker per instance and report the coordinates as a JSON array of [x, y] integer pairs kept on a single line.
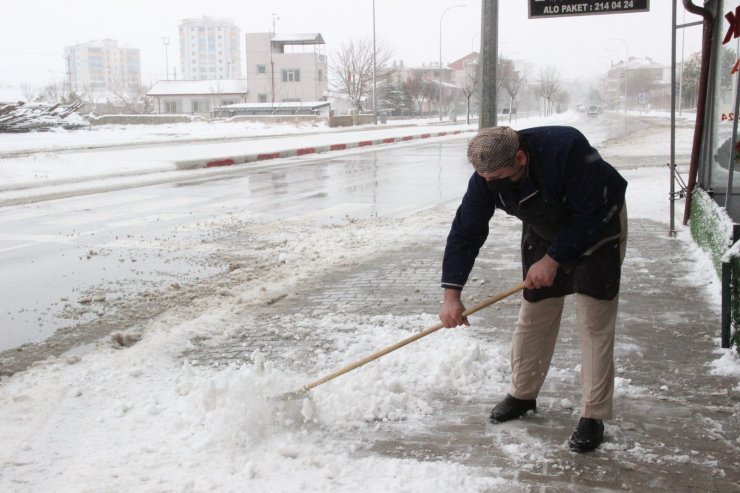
[[261, 69], [195, 106], [261, 98], [291, 100], [321, 75], [170, 107], [226, 102], [292, 75]]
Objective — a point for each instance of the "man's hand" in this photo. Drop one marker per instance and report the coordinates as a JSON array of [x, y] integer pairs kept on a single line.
[[542, 273], [452, 309]]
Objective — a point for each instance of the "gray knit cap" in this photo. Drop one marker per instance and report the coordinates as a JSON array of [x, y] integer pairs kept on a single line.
[[493, 148]]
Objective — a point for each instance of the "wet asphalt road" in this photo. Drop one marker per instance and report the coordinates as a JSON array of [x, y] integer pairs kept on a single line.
[[73, 262]]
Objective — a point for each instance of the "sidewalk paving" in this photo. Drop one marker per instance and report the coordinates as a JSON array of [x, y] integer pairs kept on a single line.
[[676, 426]]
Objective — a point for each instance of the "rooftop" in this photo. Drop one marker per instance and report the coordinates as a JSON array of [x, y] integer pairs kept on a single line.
[[299, 39]]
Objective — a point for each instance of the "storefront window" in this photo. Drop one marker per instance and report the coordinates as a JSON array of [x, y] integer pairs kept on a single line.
[[723, 150]]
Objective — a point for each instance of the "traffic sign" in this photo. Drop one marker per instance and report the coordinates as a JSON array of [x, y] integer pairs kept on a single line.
[[559, 8]]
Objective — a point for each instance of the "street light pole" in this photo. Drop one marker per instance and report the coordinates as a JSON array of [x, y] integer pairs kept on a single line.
[[166, 41], [626, 73], [439, 108], [375, 99]]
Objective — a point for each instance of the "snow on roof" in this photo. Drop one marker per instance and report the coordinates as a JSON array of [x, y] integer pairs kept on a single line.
[[210, 86], [299, 39], [460, 63]]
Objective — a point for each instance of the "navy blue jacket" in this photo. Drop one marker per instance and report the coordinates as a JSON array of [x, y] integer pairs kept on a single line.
[[570, 199]]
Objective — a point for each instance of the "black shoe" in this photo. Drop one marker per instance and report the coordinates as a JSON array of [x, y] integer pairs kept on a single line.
[[512, 408], [587, 436]]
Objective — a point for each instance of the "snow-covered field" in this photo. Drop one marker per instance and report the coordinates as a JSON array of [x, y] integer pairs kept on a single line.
[[131, 414]]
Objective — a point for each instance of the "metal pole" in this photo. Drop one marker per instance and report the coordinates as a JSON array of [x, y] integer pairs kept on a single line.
[[375, 99], [439, 103], [626, 75], [488, 60], [672, 227], [680, 79], [166, 42]]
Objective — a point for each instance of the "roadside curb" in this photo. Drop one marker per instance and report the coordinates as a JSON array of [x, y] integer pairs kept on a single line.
[[302, 151]]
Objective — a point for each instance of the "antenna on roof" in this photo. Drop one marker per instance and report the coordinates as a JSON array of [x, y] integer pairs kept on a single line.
[[275, 17]]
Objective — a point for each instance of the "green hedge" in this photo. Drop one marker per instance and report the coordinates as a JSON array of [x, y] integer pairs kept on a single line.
[[711, 229], [710, 226]]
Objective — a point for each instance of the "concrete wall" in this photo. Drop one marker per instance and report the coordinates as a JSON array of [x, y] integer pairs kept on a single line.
[[143, 119], [277, 119], [350, 120]]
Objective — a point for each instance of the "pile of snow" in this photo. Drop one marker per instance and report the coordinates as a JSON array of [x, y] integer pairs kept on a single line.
[[139, 418], [22, 117]]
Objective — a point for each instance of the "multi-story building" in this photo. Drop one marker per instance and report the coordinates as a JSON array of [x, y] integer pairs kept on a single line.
[[98, 66], [210, 49], [648, 85], [286, 68]]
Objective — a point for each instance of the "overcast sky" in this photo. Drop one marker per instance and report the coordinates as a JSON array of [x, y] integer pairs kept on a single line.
[[35, 32]]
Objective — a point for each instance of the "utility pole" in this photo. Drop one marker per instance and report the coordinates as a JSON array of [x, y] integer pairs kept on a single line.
[[69, 75], [488, 59], [166, 41], [375, 83], [439, 103]]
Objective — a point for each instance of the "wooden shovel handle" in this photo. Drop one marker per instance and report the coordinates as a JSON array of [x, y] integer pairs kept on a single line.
[[409, 340]]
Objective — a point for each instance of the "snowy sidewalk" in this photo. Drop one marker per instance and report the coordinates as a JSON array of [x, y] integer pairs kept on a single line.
[[676, 423]]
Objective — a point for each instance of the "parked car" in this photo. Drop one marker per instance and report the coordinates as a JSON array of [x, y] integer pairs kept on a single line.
[[592, 111]]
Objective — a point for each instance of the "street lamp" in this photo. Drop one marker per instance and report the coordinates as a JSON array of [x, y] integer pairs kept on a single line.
[[375, 84], [626, 69], [166, 41], [439, 109]]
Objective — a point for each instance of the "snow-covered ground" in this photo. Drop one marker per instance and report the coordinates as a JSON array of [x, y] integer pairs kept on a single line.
[[132, 415]]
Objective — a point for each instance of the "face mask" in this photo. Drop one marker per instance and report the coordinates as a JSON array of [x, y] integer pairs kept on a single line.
[[502, 185]]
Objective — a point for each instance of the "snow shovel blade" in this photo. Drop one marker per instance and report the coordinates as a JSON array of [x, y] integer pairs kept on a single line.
[[304, 391], [295, 395]]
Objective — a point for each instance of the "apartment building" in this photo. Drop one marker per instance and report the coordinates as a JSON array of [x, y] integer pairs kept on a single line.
[[210, 49], [286, 68], [102, 65]]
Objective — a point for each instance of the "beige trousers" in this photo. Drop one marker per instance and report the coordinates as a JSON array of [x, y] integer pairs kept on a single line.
[[534, 339]]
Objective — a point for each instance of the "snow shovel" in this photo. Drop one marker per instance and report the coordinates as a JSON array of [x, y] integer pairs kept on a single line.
[[303, 391]]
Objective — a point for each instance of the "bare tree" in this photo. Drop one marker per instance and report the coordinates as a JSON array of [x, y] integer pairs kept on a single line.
[[29, 92], [536, 91], [430, 94], [51, 93], [548, 86], [414, 87], [131, 96], [352, 70], [561, 98], [93, 95], [471, 80], [512, 81], [503, 65]]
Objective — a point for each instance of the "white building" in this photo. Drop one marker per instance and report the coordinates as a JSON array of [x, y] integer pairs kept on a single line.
[[210, 49], [102, 65], [286, 68], [196, 96]]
